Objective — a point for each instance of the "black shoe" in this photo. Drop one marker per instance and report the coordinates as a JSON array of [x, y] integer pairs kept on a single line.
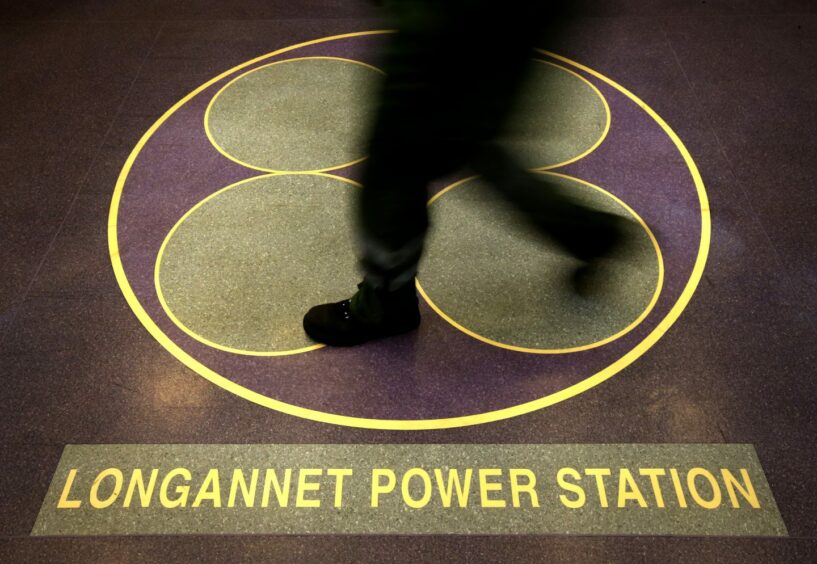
[[369, 314], [588, 234]]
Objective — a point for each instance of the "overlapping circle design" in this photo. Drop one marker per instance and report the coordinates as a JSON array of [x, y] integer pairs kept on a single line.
[[233, 215]]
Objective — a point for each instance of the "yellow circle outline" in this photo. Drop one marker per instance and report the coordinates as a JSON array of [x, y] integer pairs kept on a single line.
[[224, 152], [607, 123], [411, 424], [659, 283], [191, 211]]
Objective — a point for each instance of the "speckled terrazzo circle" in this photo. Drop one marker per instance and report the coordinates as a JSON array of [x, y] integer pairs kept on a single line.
[[559, 118], [491, 274], [296, 115], [239, 270]]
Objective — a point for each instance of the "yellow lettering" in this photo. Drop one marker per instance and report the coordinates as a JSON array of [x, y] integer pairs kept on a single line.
[[628, 489], [528, 487], [339, 474], [118, 480], [598, 474], [485, 486], [182, 491], [247, 491], [653, 473], [210, 489], [281, 492], [454, 484], [679, 491], [138, 481], [406, 482], [574, 488], [379, 488], [64, 502], [693, 489], [747, 492], [304, 486]]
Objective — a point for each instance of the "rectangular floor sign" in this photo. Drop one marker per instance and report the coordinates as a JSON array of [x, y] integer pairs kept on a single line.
[[641, 489]]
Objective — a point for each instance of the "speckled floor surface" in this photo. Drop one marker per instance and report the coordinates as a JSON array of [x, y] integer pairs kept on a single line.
[[81, 82]]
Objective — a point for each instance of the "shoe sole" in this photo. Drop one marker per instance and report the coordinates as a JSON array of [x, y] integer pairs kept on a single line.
[[333, 341]]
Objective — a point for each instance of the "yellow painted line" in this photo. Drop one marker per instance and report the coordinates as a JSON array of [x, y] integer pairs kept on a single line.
[[607, 114], [413, 424]]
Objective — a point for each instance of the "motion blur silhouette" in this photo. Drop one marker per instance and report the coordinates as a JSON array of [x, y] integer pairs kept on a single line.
[[453, 71]]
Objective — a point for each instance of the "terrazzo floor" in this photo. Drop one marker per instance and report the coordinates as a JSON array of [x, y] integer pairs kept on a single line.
[[113, 142]]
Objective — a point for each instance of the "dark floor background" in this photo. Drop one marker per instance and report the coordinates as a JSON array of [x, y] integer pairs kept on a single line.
[[80, 81]]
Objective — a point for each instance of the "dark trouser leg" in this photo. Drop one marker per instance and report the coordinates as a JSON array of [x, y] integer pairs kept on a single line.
[[584, 232], [452, 71], [451, 74]]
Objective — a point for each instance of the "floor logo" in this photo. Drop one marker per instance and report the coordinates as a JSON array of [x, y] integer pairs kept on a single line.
[[410, 489], [231, 217]]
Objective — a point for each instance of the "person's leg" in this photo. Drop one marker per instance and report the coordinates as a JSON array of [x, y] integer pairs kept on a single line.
[[406, 151], [452, 71], [585, 233]]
